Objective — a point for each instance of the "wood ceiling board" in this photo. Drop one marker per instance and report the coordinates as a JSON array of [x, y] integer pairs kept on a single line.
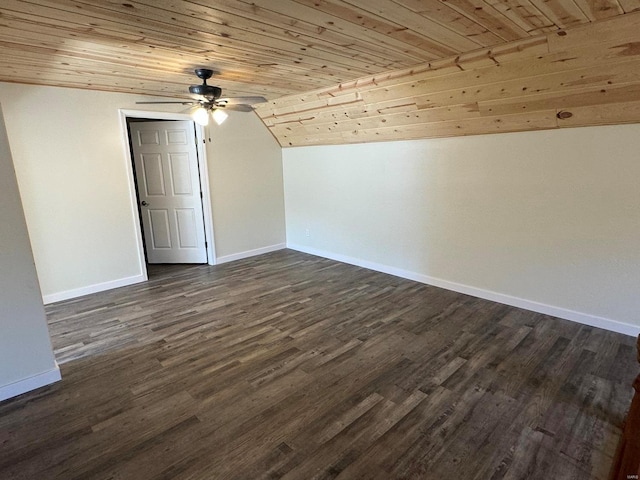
[[476, 126], [307, 50], [524, 14], [199, 35], [600, 9], [574, 98], [619, 30], [371, 30], [440, 12], [515, 82], [522, 64], [551, 84], [313, 73], [400, 119], [492, 96], [558, 88], [372, 27], [64, 30], [630, 5], [401, 111], [522, 50], [291, 25], [490, 18], [420, 25], [608, 114], [252, 33], [179, 69], [562, 14]]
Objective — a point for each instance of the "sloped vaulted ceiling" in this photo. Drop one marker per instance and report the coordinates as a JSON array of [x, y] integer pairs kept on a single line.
[[425, 67], [582, 76]]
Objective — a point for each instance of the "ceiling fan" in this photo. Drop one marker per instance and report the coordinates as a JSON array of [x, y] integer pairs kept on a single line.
[[210, 101]]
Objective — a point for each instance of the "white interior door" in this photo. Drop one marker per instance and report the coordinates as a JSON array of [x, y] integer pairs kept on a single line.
[[166, 165]]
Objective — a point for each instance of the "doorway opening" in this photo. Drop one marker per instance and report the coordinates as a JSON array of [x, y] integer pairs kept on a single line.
[[169, 188]]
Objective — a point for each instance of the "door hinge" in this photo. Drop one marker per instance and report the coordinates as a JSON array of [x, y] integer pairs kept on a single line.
[[201, 195], [206, 244]]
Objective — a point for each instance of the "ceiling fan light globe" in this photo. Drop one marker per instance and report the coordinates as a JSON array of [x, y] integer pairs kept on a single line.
[[201, 116], [219, 116]]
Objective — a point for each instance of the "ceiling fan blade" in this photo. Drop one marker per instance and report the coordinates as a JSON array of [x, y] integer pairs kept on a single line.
[[237, 108], [158, 103], [239, 100]]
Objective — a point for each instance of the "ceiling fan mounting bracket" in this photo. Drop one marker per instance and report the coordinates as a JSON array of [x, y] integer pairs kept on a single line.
[[204, 74]]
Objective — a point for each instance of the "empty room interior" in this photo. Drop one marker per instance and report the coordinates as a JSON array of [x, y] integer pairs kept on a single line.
[[319, 239]]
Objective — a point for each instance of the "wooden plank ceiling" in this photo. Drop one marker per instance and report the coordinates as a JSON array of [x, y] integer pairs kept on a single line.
[[587, 75], [275, 48]]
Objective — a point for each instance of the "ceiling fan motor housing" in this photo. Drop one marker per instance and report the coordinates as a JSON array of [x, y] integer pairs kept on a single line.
[[208, 91]]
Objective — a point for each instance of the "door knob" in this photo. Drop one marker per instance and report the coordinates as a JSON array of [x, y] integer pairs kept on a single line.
[[145, 204]]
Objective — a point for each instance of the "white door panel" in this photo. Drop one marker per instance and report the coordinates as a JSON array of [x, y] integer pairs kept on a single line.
[[160, 229], [152, 174], [180, 174], [169, 191], [149, 138], [186, 221], [177, 137]]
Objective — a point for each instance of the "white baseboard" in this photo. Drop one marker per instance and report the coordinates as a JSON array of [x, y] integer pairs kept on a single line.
[[579, 317], [250, 253], [98, 287], [31, 383]]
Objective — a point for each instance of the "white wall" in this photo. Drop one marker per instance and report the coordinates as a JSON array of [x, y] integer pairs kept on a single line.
[[245, 176], [26, 356], [549, 220], [71, 166]]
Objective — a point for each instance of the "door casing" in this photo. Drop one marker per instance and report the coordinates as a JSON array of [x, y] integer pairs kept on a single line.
[[204, 180]]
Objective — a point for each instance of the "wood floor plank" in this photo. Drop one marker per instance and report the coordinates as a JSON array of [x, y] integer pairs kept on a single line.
[[292, 366]]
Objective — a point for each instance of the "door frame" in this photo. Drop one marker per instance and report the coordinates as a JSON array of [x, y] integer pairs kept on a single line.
[[201, 148]]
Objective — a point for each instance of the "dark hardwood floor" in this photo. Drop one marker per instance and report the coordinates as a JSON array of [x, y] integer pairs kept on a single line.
[[297, 367]]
